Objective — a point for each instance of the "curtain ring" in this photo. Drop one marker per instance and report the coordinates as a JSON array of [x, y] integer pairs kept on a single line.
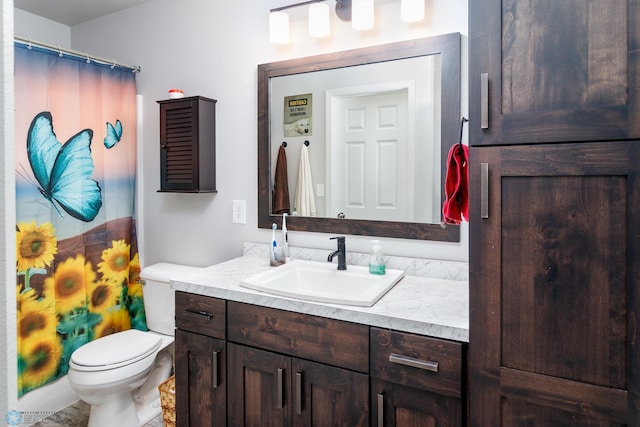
[[59, 51], [88, 59], [29, 44], [113, 65]]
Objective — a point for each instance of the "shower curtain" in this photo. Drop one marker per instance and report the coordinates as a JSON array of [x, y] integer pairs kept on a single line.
[[77, 261]]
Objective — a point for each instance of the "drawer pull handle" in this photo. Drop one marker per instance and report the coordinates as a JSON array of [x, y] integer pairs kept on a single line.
[[484, 190], [414, 363], [380, 410], [484, 101], [298, 393], [200, 315], [280, 393], [214, 368]]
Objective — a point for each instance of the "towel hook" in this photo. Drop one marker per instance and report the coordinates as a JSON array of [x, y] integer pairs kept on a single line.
[[284, 144], [306, 143], [462, 122]]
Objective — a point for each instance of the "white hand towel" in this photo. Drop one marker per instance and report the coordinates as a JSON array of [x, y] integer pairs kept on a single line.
[[304, 200]]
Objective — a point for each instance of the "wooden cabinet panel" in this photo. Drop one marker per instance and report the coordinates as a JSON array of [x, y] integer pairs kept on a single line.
[[556, 71], [326, 396], [200, 369], [329, 341], [554, 290], [200, 314], [258, 393], [401, 406], [417, 361]]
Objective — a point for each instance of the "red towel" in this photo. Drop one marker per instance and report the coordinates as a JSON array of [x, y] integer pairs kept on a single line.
[[280, 197], [456, 203]]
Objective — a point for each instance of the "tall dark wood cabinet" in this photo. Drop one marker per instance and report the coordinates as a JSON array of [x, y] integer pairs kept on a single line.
[[554, 213], [188, 145], [553, 71]]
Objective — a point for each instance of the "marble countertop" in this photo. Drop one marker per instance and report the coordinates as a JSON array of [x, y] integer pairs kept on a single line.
[[421, 305]]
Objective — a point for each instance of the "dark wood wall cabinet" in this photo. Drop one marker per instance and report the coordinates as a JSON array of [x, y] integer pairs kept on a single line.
[[188, 145], [280, 368], [555, 213]]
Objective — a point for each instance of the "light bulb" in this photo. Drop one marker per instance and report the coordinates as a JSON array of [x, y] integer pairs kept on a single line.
[[362, 14], [279, 27], [412, 10], [319, 20]]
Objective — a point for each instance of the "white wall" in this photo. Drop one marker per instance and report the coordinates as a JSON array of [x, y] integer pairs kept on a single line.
[[41, 29], [212, 49]]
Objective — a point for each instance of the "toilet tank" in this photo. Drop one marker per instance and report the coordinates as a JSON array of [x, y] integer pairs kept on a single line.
[[159, 297]]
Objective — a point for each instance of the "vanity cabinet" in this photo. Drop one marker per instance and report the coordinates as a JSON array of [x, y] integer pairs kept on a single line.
[[240, 364], [188, 145], [200, 361], [415, 380], [553, 71], [327, 385]]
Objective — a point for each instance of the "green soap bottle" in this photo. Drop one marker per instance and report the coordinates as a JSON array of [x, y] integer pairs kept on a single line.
[[376, 262]]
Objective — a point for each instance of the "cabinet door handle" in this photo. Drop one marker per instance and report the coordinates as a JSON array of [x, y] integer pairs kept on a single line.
[[484, 190], [280, 392], [484, 101], [200, 315], [214, 367], [413, 362], [380, 410], [298, 393]]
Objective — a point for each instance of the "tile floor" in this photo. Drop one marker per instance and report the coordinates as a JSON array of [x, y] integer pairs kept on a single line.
[[77, 415]]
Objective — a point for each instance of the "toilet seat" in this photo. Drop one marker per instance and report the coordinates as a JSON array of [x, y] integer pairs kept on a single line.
[[115, 350]]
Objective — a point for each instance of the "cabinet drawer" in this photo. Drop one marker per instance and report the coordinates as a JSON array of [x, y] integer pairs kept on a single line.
[[417, 361], [329, 341], [200, 314]]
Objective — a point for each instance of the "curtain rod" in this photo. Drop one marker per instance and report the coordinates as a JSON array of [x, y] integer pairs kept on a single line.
[[61, 50]]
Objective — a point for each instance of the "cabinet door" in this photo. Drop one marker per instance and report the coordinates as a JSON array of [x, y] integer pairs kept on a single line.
[[554, 71], [401, 406], [200, 380], [325, 396], [554, 292], [258, 392]]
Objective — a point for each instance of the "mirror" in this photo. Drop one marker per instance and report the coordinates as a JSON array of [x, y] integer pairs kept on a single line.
[[415, 86]]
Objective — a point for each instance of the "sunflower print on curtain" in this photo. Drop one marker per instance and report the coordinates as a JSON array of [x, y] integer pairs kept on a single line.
[[77, 257]]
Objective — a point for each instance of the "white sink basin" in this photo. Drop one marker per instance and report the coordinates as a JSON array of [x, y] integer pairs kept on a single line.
[[321, 281]]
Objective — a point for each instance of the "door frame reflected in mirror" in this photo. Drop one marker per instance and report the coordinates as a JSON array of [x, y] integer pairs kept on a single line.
[[448, 47]]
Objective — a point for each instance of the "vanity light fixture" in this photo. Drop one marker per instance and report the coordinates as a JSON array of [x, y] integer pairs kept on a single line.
[[319, 22], [412, 10]]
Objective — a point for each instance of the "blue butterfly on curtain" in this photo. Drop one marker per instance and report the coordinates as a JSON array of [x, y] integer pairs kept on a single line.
[[114, 134], [64, 171]]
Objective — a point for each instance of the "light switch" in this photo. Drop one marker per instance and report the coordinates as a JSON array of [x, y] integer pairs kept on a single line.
[[239, 212]]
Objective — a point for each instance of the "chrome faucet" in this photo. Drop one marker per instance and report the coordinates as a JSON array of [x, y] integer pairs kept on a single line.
[[341, 252]]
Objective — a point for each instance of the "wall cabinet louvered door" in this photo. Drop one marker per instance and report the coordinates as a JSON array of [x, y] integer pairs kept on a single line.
[[188, 145]]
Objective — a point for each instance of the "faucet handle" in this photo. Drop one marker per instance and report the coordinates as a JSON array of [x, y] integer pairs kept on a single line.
[[341, 240]]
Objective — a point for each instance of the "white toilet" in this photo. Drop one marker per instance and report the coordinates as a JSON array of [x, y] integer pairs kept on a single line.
[[118, 375]]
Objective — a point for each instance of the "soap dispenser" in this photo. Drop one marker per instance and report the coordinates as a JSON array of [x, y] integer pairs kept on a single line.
[[376, 262]]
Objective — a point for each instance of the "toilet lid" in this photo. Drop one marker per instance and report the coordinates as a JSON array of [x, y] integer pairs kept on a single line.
[[115, 350]]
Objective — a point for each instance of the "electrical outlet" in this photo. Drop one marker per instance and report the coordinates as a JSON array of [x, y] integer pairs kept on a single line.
[[239, 212]]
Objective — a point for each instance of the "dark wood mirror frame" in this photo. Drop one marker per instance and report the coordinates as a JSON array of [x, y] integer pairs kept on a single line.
[[448, 46]]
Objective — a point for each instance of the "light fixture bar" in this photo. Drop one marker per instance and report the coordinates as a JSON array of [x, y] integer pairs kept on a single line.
[[290, 6]]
